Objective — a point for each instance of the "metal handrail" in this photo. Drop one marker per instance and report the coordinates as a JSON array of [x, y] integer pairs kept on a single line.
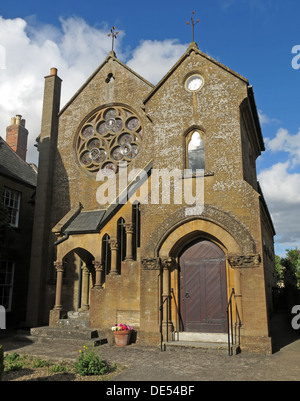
[[177, 310], [161, 321], [233, 339]]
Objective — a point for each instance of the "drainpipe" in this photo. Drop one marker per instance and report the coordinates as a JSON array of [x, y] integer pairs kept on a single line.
[[64, 238]]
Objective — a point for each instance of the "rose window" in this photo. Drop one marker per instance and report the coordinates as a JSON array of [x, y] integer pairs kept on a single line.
[[106, 139]]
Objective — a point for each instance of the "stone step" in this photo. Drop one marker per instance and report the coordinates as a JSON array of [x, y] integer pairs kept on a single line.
[[234, 349], [80, 319], [74, 323], [197, 344], [208, 341], [201, 337], [79, 315], [64, 332], [80, 337]]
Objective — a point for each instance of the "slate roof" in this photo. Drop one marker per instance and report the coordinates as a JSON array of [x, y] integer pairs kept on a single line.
[[11, 165], [92, 221], [86, 221]]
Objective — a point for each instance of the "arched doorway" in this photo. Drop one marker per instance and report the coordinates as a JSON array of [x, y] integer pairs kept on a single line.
[[203, 288], [79, 278]]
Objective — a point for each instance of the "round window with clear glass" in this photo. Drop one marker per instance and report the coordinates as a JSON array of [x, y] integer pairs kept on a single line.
[[109, 137], [194, 83]]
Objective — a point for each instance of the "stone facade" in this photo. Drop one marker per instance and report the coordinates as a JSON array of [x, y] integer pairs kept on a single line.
[[85, 237]]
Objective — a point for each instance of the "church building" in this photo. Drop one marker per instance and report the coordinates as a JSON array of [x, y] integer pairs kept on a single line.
[[148, 209]]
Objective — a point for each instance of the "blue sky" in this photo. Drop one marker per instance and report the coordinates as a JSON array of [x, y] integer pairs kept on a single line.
[[253, 37]]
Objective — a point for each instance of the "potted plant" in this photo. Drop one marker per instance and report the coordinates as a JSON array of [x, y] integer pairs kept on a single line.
[[122, 333]]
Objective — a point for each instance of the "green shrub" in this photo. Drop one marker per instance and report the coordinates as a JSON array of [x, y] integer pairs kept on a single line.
[[12, 362], [58, 369], [91, 364], [39, 363], [1, 362], [13, 357]]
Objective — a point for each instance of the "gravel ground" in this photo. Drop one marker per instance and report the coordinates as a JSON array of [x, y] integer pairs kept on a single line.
[[178, 365]]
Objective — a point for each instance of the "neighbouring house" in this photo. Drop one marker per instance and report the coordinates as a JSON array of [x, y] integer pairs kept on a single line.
[[17, 197]]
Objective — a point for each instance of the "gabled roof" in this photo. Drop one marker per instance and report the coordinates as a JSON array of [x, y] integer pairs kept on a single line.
[[11, 165], [192, 48], [110, 56]]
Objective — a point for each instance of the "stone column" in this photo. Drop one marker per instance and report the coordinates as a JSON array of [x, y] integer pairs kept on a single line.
[[166, 297], [85, 288], [59, 277], [129, 227], [114, 246], [99, 273]]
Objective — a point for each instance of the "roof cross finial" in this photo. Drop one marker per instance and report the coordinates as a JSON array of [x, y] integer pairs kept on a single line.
[[113, 35], [193, 23]]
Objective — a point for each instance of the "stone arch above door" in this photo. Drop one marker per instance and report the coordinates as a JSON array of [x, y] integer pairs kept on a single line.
[[84, 244], [213, 221], [191, 230]]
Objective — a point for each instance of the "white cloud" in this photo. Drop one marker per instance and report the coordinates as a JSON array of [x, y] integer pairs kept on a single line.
[[153, 59], [75, 50], [286, 142], [265, 120], [280, 185], [281, 188]]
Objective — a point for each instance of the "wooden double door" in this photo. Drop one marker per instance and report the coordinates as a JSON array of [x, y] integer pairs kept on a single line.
[[203, 288]]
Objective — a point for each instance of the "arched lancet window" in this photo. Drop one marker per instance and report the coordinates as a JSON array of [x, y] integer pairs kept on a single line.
[[106, 254], [121, 237], [195, 151], [136, 220]]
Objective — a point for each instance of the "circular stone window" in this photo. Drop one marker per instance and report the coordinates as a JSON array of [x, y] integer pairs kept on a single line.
[[109, 137], [194, 83]]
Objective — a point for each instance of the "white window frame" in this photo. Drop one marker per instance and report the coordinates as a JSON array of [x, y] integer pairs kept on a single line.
[[8, 267], [12, 200]]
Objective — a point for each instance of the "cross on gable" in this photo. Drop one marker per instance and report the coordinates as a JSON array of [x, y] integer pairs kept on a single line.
[[193, 23], [113, 35]]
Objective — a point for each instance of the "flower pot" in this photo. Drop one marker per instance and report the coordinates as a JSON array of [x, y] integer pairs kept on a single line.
[[122, 337]]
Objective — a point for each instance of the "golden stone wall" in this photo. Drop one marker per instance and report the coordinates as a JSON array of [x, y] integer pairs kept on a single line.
[[232, 214]]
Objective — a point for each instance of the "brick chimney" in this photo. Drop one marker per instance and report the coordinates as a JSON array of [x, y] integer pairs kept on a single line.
[[16, 136]]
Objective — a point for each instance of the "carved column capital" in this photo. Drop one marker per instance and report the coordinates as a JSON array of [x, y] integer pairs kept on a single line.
[[114, 246], [168, 263], [85, 269], [129, 228], [59, 266], [113, 243], [98, 265]]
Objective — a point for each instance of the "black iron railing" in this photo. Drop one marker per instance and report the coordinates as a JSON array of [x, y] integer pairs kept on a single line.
[[233, 326], [165, 301], [234, 321], [179, 321]]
